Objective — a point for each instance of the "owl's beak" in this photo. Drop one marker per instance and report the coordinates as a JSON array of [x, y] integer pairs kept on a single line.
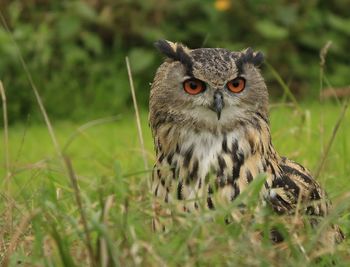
[[218, 104]]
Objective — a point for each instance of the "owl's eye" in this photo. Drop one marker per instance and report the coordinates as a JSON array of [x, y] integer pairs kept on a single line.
[[236, 85], [193, 86]]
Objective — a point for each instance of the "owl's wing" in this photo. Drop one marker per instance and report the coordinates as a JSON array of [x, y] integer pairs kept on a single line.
[[296, 189]]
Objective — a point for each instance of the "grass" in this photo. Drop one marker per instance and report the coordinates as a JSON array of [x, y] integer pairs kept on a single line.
[[42, 223]]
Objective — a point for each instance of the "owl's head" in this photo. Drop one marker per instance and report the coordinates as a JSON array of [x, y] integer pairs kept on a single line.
[[208, 86]]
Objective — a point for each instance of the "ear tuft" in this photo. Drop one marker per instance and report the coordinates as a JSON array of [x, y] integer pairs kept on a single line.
[[166, 47], [258, 59], [176, 52], [248, 56]]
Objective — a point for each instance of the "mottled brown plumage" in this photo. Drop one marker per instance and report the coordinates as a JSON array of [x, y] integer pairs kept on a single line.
[[211, 145]]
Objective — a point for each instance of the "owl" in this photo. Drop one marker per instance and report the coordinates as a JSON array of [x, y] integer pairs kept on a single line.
[[210, 124]]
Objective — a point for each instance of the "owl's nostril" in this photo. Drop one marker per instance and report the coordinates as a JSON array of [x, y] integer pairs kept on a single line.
[[218, 104]]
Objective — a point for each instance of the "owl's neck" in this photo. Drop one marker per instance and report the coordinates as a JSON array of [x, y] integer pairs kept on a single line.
[[236, 155]]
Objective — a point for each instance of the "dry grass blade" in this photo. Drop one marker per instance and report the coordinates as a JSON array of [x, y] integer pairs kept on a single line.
[[301, 247], [323, 53], [81, 209], [6, 135], [331, 140], [138, 121], [16, 237], [103, 243], [8, 215]]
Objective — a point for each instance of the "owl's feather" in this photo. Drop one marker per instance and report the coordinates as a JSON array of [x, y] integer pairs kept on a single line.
[[202, 157]]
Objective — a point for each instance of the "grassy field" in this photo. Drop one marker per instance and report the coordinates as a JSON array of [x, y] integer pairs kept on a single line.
[[43, 224]]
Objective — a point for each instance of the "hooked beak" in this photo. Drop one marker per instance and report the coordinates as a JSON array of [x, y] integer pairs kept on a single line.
[[218, 103]]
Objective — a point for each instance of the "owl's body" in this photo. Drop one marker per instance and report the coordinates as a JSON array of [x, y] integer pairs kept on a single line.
[[211, 143]]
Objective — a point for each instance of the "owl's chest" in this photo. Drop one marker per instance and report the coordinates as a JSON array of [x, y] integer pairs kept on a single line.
[[199, 155], [193, 157], [192, 164]]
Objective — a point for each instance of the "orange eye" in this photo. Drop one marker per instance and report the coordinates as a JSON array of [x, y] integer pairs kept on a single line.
[[194, 86], [236, 85]]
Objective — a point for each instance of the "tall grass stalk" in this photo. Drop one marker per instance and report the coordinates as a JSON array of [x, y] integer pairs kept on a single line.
[[6, 136], [8, 225], [66, 164], [323, 54], [81, 210], [331, 139], [326, 149], [138, 120], [34, 88]]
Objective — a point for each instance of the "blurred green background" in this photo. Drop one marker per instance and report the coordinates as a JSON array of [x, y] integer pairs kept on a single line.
[[76, 50]]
